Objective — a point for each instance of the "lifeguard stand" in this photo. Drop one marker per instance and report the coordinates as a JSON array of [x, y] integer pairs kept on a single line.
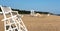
[[12, 22], [32, 13]]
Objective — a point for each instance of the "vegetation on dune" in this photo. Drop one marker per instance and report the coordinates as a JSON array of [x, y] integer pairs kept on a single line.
[[28, 12], [0, 10], [21, 11]]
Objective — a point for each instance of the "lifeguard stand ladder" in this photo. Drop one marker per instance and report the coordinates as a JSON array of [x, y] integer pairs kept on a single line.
[[12, 22]]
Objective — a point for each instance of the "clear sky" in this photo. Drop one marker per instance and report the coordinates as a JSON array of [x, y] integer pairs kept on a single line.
[[38, 5]]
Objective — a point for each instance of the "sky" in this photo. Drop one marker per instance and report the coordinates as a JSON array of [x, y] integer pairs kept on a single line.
[[52, 6]]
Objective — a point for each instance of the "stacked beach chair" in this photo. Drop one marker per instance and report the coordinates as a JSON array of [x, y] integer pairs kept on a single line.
[[13, 22]]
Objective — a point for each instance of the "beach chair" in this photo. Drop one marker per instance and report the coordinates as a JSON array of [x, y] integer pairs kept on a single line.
[[48, 14], [13, 22]]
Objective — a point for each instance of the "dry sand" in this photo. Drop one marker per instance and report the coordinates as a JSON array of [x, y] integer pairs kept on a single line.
[[39, 23]]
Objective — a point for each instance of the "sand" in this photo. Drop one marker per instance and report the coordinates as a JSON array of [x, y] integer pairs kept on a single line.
[[38, 23]]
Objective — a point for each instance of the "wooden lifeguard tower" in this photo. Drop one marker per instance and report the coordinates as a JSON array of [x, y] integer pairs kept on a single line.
[[13, 22]]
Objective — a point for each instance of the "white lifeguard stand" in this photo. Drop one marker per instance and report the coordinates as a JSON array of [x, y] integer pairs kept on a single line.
[[14, 22], [32, 13]]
